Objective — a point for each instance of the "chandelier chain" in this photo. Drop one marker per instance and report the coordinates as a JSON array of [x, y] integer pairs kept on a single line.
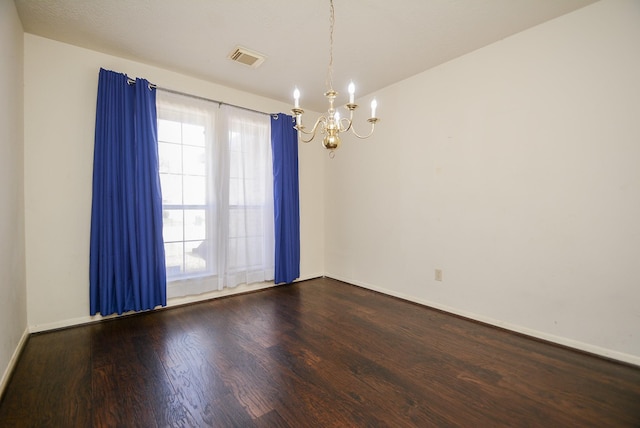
[[332, 21]]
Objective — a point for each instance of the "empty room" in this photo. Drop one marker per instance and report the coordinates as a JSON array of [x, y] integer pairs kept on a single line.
[[347, 213]]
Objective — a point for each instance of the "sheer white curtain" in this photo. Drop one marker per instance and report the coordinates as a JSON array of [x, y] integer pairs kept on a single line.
[[245, 173], [217, 184]]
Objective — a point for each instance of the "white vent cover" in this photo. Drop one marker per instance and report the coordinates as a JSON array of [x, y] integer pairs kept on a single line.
[[247, 57]]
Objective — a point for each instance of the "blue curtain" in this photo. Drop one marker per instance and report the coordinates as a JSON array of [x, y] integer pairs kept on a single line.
[[127, 267], [284, 143]]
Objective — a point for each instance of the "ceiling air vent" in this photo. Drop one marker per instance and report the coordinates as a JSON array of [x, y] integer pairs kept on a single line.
[[246, 57]]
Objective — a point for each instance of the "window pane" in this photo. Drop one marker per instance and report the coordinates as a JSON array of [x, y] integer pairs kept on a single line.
[[236, 223], [170, 157], [254, 252], [195, 260], [203, 249], [254, 222], [254, 192], [236, 253], [236, 192], [172, 225], [235, 164], [174, 258], [195, 225], [194, 190], [171, 185], [194, 160], [169, 131], [193, 135], [235, 141]]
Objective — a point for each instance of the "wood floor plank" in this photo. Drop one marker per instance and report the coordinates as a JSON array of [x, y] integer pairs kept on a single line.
[[52, 381], [122, 388], [319, 353]]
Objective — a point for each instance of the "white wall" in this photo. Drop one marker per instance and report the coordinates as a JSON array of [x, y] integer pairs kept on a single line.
[[516, 170], [13, 309], [60, 97]]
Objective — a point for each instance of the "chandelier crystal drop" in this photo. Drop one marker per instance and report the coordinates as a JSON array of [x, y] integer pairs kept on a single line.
[[331, 124]]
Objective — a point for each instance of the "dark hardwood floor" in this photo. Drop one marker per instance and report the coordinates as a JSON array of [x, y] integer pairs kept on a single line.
[[320, 353]]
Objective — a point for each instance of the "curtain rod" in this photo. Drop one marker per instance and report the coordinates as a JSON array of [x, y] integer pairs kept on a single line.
[[172, 91]]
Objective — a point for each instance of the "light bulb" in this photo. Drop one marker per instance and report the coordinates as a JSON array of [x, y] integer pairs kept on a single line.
[[296, 97], [374, 105], [352, 91]]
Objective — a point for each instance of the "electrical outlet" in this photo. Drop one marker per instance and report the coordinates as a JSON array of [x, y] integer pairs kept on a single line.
[[438, 275]]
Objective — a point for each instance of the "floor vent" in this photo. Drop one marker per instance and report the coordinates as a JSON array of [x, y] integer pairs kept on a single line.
[[247, 57]]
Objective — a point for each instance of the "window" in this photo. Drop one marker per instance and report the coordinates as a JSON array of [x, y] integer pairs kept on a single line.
[[217, 191], [183, 166]]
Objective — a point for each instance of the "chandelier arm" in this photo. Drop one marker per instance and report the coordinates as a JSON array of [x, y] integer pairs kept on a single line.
[[346, 127], [362, 137], [321, 120], [301, 138]]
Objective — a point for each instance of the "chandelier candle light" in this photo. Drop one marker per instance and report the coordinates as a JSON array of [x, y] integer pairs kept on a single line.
[[331, 124]]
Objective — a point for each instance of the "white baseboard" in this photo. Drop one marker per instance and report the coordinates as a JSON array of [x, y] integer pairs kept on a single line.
[[585, 347], [172, 302], [570, 343], [13, 361]]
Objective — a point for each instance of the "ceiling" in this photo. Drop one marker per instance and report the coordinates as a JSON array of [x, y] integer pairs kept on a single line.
[[376, 42]]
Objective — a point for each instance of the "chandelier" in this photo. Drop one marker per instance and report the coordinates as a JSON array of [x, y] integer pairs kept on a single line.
[[331, 124]]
